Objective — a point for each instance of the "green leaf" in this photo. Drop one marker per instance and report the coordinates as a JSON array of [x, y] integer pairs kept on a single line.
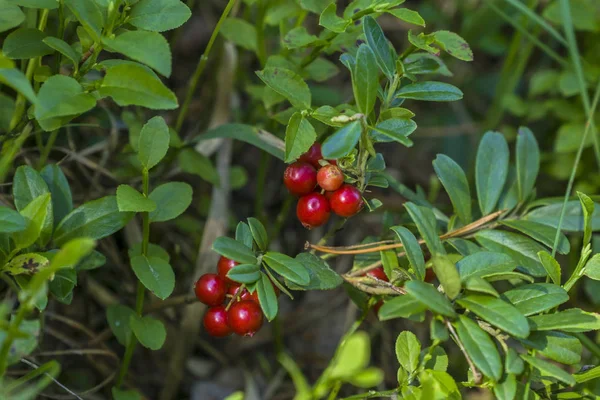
[[342, 141], [35, 214], [413, 251], [248, 134], [480, 285], [62, 200], [446, 272], [288, 84], [153, 251], [23, 346], [159, 15], [62, 285], [408, 350], [71, 253], [64, 48], [455, 182], [134, 84], [537, 297], [89, 14], [426, 223], [571, 320], [491, 169], [315, 6], [540, 232], [95, 219], [592, 268], [28, 263], [520, 248], [322, 277], [61, 99], [267, 297], [150, 332], [17, 80], [192, 162], [27, 186], [427, 295], [498, 313], [330, 20], [243, 234], [11, 221], [352, 356], [234, 250], [380, 46], [94, 260], [403, 306], [547, 369], [557, 346], [454, 45], [171, 199], [480, 348], [298, 37], [299, 136], [394, 130], [437, 385], [430, 91], [406, 15], [150, 48], [365, 80], [551, 266], [287, 267], [7, 109], [463, 246], [240, 32], [11, 16], [528, 162], [513, 363], [25, 43], [155, 274], [587, 206], [119, 394], [129, 199], [259, 233], [507, 389], [118, 317], [154, 142], [573, 220], [483, 264], [245, 273]]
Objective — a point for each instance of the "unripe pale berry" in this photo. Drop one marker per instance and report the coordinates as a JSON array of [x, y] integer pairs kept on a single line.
[[215, 322], [300, 178], [211, 289], [313, 210], [330, 177], [346, 201], [245, 317], [224, 266], [378, 273]]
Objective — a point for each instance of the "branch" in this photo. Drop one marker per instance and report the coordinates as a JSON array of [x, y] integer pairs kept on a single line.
[[477, 377]]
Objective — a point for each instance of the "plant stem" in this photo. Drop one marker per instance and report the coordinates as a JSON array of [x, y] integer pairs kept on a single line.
[[31, 66], [574, 170], [193, 82], [47, 149], [139, 301], [476, 374], [261, 51]]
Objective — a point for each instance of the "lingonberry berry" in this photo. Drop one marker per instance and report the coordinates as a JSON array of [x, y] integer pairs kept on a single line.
[[300, 178], [377, 306], [346, 201], [330, 177], [429, 275], [211, 289], [378, 273], [245, 317], [224, 266], [313, 155], [313, 210], [215, 322]]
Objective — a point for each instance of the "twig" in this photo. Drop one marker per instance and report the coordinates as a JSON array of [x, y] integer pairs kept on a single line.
[[477, 378]]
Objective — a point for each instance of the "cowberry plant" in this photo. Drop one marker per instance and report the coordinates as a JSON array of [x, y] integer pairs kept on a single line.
[[483, 274]]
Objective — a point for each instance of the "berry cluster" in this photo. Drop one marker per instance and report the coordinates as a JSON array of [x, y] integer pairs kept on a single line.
[[242, 315], [321, 188]]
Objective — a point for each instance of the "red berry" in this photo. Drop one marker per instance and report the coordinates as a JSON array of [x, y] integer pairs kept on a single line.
[[215, 322], [378, 273], [330, 177], [211, 289], [313, 210], [377, 306], [300, 178], [245, 317], [243, 295], [346, 201], [313, 155], [429, 275], [224, 266]]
